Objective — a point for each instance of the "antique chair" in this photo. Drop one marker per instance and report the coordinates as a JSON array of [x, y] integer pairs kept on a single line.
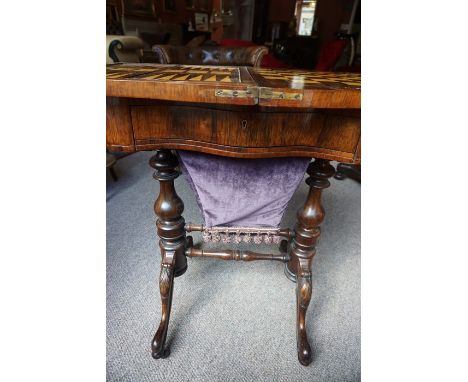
[[123, 49], [210, 55]]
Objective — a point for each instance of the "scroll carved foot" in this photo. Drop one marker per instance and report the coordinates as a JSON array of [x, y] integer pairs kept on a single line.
[[303, 249], [303, 295], [170, 225], [166, 281]]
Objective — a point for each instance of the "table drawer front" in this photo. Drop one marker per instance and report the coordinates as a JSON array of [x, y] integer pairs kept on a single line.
[[244, 129]]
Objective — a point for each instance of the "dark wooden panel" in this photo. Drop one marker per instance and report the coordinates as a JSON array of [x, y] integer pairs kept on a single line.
[[248, 132], [340, 133], [119, 132]]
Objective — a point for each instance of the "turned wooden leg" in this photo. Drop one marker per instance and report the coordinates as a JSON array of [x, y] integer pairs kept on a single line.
[[303, 248], [352, 171], [171, 231], [113, 174]]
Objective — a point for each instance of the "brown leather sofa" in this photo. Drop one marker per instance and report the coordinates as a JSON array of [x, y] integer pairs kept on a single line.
[[210, 55]]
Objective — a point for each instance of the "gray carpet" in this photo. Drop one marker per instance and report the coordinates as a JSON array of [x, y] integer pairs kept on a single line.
[[231, 321]]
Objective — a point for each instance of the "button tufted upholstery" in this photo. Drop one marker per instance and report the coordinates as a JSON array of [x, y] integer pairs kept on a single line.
[[210, 55]]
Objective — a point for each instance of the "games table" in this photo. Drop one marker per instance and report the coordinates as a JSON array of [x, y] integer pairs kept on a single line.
[[235, 112]]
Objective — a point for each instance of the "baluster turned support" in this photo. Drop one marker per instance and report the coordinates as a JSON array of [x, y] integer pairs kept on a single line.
[[236, 255], [171, 231], [303, 248]]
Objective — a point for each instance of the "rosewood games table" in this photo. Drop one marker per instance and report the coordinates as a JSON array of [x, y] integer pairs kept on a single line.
[[237, 112]]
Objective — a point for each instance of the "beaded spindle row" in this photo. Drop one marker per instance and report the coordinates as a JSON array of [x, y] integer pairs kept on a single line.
[[238, 237]]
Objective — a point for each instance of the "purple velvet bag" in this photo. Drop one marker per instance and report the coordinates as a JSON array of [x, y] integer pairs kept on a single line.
[[242, 192]]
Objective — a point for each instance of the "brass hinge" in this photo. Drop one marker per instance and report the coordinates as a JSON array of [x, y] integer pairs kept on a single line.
[[262, 93], [267, 93], [248, 93]]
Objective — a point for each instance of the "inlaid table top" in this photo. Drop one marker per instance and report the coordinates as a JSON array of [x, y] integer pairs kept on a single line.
[[235, 85], [297, 79], [173, 73]]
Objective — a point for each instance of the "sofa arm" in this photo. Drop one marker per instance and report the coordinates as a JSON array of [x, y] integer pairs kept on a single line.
[[162, 54], [124, 48], [258, 53]]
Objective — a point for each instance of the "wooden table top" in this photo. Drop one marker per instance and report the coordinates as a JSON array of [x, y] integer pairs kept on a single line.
[[235, 85]]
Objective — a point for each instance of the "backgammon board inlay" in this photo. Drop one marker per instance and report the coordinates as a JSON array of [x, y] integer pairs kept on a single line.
[[173, 73], [308, 79]]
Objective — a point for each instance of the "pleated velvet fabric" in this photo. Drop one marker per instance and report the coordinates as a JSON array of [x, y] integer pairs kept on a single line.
[[236, 192]]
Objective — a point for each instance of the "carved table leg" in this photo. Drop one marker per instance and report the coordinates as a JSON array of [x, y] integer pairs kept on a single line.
[[302, 250], [171, 231], [113, 174], [344, 170]]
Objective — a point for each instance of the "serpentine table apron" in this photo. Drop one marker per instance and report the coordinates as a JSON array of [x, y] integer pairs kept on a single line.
[[244, 137]]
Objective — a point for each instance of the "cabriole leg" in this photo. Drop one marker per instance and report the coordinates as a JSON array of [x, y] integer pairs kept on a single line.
[[303, 248], [171, 231]]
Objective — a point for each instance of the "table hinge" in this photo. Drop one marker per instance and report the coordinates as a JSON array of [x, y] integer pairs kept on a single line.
[[262, 93], [267, 93], [248, 93]]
